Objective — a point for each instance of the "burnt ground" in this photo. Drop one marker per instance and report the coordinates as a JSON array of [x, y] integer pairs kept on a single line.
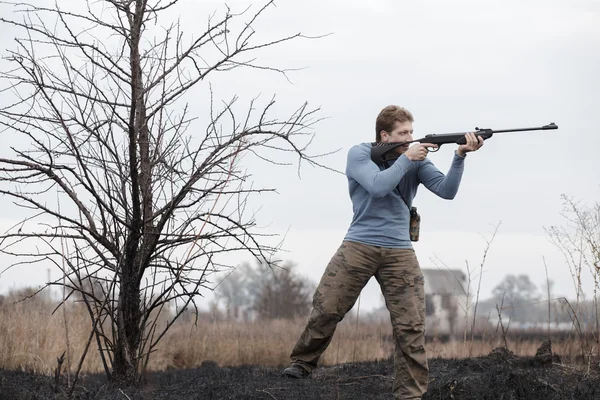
[[500, 375]]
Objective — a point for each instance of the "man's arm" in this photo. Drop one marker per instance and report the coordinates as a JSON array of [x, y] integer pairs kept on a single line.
[[445, 186], [378, 183]]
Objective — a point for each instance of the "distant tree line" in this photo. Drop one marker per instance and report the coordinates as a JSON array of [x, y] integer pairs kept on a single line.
[[264, 292], [522, 301]]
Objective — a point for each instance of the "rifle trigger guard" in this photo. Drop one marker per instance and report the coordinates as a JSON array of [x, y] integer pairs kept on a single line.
[[433, 149]]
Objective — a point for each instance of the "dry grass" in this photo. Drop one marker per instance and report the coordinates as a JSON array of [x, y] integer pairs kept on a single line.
[[32, 338]]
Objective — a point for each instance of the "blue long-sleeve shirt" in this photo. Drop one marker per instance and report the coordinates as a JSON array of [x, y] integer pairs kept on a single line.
[[381, 216]]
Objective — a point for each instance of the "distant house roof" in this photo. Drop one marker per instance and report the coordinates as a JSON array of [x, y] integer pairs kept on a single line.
[[444, 281]]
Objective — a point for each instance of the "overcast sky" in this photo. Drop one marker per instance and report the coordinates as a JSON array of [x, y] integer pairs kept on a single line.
[[456, 65]]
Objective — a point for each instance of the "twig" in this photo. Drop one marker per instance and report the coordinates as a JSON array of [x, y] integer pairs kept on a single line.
[[66, 322], [589, 363], [575, 320], [467, 306], [270, 394], [485, 252], [265, 391], [59, 361], [500, 322], [123, 393], [356, 330], [548, 287]]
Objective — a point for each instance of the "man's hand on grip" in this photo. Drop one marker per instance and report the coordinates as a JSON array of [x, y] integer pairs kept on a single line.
[[419, 151]]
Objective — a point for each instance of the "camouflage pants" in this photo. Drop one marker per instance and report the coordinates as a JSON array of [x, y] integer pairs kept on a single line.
[[398, 273]]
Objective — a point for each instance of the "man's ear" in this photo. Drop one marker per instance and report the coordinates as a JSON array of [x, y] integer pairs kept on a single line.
[[384, 136]]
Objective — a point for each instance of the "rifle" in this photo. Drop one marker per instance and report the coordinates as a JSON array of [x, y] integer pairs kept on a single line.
[[379, 150]]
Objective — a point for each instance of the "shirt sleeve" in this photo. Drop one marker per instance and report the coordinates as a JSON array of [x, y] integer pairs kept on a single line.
[[445, 186], [378, 183]]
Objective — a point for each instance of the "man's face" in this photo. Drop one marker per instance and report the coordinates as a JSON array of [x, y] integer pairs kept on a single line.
[[402, 132]]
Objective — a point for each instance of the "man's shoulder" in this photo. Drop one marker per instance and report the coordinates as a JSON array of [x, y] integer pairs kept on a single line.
[[363, 146], [360, 150]]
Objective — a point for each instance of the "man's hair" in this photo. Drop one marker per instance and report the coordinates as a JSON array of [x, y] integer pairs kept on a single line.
[[388, 117]]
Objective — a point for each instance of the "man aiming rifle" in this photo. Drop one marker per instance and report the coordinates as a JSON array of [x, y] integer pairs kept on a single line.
[[383, 178]]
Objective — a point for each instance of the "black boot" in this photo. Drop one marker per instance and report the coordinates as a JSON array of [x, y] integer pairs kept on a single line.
[[295, 371]]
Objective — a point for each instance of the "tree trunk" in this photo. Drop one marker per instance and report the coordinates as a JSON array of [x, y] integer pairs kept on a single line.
[[125, 364], [129, 329]]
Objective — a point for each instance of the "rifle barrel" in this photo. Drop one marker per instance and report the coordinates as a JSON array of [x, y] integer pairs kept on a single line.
[[537, 128]]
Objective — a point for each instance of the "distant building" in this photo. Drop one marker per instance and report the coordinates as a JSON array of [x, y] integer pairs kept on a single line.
[[445, 301]]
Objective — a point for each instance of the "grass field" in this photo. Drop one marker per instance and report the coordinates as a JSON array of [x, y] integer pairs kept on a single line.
[[31, 337]]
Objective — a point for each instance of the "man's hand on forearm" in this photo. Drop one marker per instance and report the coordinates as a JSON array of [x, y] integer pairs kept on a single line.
[[474, 143]]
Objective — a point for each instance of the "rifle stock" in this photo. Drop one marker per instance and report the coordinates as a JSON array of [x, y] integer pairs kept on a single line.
[[379, 150]]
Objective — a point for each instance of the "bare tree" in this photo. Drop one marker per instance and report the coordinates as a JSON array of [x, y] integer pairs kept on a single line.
[[232, 291], [112, 174], [240, 288], [285, 294], [519, 292], [267, 291]]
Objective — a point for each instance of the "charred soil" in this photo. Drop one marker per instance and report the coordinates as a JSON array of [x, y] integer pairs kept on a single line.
[[499, 375]]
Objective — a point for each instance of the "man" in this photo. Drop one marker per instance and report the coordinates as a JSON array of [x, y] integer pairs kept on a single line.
[[378, 243]]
